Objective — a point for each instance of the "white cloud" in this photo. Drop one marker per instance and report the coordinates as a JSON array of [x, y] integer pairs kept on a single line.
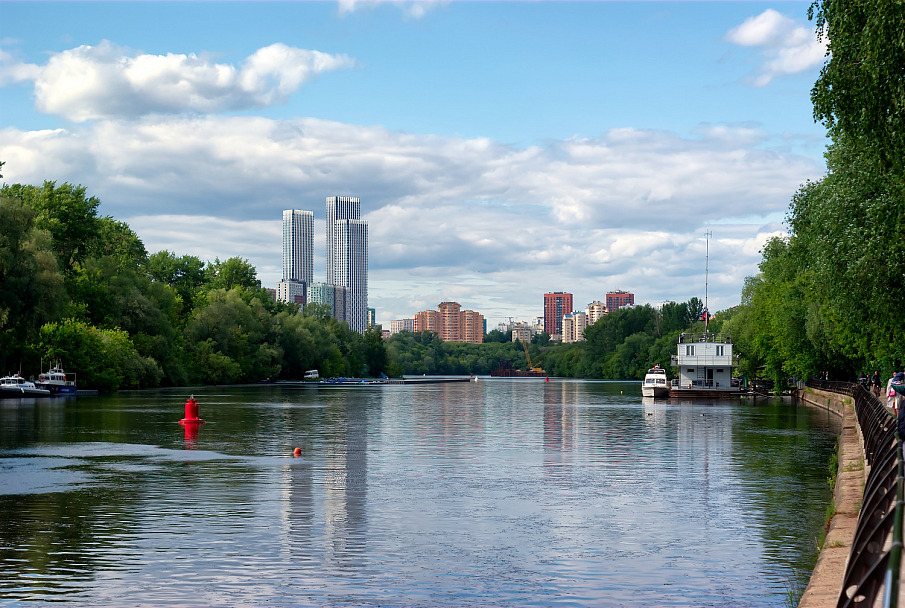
[[492, 225], [13, 71], [108, 81], [785, 46]]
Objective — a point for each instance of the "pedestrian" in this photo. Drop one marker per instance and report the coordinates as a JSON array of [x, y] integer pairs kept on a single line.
[[875, 383], [892, 399]]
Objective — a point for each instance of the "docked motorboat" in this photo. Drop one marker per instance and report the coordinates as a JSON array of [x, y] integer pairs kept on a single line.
[[655, 384], [57, 382], [17, 386]]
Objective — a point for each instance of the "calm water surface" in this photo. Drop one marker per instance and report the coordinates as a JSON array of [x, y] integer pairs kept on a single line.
[[498, 492]]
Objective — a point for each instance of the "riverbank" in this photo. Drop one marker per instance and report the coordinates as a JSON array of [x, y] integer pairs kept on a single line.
[[826, 580]]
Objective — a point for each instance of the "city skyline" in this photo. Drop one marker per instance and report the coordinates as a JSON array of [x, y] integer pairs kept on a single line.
[[585, 147]]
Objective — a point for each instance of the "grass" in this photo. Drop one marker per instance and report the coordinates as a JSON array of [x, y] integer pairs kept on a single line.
[[793, 589]]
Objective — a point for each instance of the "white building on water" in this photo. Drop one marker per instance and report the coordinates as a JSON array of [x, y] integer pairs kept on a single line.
[[705, 362]]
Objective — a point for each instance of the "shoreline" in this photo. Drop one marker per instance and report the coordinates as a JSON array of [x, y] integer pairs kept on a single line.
[[825, 585]]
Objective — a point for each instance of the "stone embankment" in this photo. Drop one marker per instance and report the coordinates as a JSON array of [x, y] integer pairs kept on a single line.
[[826, 580]]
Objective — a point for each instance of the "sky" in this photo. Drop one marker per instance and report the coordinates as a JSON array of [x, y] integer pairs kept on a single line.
[[501, 150]]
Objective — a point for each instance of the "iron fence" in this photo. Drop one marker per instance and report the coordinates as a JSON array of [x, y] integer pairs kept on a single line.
[[872, 571]]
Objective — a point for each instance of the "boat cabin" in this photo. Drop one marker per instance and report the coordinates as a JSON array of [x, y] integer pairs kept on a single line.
[[704, 361]]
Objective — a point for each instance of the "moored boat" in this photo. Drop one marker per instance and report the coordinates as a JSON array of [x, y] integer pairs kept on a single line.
[[655, 383], [17, 386], [57, 382]]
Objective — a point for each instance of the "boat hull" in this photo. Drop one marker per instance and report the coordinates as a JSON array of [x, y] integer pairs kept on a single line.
[[655, 391], [14, 392]]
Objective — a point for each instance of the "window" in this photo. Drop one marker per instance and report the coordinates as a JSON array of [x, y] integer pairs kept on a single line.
[[719, 350], [689, 350]]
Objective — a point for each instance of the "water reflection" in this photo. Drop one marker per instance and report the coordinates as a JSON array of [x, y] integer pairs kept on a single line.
[[496, 492]]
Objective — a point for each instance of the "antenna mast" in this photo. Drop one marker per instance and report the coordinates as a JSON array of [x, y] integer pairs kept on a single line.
[[707, 236]]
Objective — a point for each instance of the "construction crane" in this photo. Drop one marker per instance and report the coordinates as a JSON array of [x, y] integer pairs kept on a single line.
[[527, 356]]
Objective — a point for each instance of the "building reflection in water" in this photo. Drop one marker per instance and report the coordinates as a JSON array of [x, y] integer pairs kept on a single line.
[[325, 489]]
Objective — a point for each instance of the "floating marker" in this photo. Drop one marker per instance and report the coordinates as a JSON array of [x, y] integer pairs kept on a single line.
[[191, 412], [297, 452]]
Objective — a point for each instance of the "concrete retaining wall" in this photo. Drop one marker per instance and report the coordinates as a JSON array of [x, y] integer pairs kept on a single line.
[[826, 580]]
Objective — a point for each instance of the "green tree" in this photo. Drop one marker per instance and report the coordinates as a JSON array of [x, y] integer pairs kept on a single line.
[[31, 286], [66, 213], [234, 272], [860, 92]]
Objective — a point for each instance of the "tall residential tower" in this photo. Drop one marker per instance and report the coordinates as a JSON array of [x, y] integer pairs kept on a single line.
[[298, 255], [347, 256]]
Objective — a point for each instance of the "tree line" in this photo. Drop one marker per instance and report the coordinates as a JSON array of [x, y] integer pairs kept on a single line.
[[81, 289], [622, 345], [829, 295]]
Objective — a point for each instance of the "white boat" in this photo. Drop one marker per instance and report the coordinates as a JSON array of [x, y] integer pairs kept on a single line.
[[17, 386], [655, 383], [57, 382]]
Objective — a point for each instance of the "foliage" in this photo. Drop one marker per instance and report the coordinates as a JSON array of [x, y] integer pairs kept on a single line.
[[82, 290], [827, 296], [623, 344]]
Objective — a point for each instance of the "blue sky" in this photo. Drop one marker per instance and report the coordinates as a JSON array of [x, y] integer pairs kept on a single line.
[[500, 149]]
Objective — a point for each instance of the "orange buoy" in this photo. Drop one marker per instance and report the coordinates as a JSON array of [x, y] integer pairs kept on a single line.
[[297, 452]]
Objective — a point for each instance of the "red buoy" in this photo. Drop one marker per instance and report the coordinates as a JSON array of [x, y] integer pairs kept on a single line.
[[191, 412], [297, 452]]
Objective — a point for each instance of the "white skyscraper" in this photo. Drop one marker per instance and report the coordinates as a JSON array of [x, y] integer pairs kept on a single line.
[[338, 208], [350, 268], [298, 254]]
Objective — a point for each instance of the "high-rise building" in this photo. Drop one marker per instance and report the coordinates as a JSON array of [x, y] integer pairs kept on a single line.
[[350, 268], [427, 320], [473, 327], [298, 256], [450, 321], [452, 324], [556, 305], [338, 208], [372, 318], [596, 310], [298, 245], [573, 326], [398, 325], [617, 299]]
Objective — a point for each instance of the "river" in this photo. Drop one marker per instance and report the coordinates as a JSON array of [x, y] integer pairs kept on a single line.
[[499, 492]]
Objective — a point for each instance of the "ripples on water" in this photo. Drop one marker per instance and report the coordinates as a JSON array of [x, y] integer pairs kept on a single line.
[[491, 493]]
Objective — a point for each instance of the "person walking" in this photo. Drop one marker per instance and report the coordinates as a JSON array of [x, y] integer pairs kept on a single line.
[[875, 383], [892, 397]]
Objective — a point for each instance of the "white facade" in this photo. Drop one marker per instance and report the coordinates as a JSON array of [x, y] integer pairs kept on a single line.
[[350, 268], [704, 363], [573, 326], [338, 208], [522, 333], [298, 245], [293, 292], [595, 311], [298, 255], [398, 325]]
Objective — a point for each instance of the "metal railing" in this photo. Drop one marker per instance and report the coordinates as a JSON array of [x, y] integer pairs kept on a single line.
[[872, 571]]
